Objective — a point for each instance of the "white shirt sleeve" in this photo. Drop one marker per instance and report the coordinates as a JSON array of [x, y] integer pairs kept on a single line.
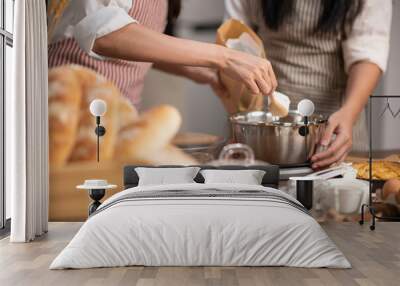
[[369, 38], [240, 10], [96, 18]]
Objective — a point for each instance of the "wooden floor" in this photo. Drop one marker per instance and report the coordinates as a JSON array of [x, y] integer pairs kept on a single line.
[[375, 257]]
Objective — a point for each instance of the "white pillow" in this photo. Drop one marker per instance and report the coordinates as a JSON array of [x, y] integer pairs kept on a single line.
[[248, 177], [163, 176]]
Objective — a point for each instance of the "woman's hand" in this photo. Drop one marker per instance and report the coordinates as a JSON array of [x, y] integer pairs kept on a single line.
[[362, 80], [341, 124], [255, 72]]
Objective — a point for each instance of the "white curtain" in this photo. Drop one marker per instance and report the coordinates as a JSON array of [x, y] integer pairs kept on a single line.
[[27, 124]]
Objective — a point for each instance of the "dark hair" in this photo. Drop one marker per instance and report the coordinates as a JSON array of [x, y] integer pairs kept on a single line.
[[174, 9], [336, 16]]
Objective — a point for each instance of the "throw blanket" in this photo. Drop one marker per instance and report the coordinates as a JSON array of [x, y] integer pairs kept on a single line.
[[198, 225]]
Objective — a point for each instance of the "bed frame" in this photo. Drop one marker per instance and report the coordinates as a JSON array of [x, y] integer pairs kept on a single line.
[[270, 179]]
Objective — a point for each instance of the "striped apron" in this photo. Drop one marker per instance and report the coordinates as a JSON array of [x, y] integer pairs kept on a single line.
[[128, 76], [309, 65]]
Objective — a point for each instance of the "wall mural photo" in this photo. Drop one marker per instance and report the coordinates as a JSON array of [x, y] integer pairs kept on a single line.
[[190, 142], [146, 83]]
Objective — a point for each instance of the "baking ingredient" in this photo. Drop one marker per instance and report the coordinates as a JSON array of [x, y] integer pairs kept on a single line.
[[234, 34], [246, 44], [278, 104]]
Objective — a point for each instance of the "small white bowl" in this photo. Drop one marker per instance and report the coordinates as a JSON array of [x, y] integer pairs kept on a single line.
[[94, 184]]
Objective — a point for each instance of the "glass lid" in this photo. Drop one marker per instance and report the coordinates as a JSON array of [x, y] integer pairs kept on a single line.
[[237, 154]]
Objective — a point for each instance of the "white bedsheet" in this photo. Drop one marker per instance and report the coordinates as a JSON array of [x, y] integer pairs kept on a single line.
[[200, 231]]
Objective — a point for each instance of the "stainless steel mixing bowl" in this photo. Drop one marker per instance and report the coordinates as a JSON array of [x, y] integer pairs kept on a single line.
[[281, 141]]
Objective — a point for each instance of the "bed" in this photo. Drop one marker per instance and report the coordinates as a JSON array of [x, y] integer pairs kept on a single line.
[[201, 224]]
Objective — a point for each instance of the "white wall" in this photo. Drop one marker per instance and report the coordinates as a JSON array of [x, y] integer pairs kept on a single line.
[[391, 80], [386, 129], [200, 12]]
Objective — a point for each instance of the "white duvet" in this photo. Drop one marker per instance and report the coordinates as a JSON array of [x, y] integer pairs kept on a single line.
[[188, 231]]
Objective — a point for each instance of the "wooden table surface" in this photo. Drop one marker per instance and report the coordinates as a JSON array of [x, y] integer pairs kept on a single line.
[[375, 257]]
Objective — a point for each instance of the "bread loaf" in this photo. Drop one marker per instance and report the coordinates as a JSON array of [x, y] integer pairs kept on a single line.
[[381, 170], [151, 132], [147, 139], [127, 114], [129, 137], [96, 87], [65, 96]]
